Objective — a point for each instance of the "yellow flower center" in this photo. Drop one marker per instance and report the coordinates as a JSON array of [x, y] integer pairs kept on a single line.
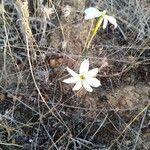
[[82, 77]]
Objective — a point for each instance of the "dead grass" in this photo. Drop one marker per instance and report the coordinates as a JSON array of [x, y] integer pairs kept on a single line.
[[38, 39]]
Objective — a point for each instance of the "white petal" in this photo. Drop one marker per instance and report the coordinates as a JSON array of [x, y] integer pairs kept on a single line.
[[93, 82], [84, 67], [71, 80], [112, 20], [92, 73], [74, 74], [77, 86], [91, 13], [87, 86], [105, 22]]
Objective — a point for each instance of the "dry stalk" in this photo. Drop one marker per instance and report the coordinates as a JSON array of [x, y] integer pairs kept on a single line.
[[24, 17], [29, 40]]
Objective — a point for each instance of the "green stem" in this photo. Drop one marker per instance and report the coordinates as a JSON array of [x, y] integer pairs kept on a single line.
[[98, 24]]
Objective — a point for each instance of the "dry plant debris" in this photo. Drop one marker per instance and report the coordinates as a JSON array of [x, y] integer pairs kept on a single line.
[[38, 40]]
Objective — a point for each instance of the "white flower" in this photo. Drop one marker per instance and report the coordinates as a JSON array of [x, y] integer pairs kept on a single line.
[[85, 78], [92, 12]]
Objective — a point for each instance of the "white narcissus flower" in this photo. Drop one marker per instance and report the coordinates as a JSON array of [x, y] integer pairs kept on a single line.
[[85, 78], [92, 12]]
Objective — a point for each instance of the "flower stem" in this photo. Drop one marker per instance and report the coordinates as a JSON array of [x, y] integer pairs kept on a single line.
[[98, 24]]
